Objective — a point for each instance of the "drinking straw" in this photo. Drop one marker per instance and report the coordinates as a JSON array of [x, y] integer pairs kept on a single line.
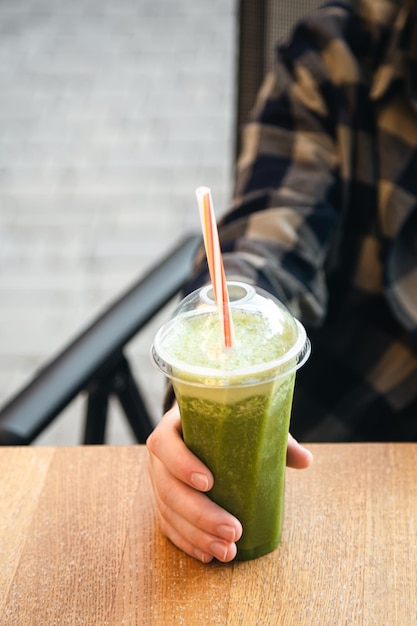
[[215, 263]]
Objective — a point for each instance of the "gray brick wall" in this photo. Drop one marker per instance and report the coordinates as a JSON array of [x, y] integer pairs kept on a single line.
[[111, 114]]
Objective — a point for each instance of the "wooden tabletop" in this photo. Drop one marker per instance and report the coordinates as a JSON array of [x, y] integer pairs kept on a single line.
[[79, 544]]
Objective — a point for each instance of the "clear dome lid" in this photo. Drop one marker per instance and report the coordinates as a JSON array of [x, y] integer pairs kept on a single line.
[[268, 341]]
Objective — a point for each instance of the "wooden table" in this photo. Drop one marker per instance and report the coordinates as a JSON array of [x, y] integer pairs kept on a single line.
[[79, 544]]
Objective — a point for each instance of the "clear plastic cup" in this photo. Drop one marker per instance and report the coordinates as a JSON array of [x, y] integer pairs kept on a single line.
[[235, 403]]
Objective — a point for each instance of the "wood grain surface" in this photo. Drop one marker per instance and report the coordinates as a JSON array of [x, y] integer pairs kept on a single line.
[[79, 545]]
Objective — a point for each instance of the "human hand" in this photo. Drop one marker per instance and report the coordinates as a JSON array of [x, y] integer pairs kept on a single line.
[[187, 516]]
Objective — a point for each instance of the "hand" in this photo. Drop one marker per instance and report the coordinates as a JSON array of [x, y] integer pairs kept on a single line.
[[187, 516]]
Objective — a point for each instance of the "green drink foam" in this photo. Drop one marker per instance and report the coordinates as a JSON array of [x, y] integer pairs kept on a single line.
[[196, 340]]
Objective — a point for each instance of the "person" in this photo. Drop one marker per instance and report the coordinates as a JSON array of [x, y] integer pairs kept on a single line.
[[324, 216]]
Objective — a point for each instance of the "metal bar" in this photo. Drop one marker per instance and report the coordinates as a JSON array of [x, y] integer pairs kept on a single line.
[[96, 415], [125, 388]]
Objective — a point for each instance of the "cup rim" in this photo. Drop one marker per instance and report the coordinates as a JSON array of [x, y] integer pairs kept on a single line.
[[253, 374]]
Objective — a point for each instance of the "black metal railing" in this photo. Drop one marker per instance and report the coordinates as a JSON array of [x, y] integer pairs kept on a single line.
[[95, 362]]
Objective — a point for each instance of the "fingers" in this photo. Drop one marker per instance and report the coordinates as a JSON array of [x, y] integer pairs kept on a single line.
[[166, 444], [298, 457], [187, 516], [202, 530]]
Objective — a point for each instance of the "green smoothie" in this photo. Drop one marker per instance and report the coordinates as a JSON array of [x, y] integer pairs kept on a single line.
[[235, 407], [244, 443]]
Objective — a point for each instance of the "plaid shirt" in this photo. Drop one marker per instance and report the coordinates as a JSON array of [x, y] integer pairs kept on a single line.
[[324, 215]]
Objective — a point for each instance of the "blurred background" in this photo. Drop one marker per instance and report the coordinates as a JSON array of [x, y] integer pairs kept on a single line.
[[112, 112]]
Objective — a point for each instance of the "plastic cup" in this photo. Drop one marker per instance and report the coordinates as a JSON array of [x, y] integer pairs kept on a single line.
[[235, 403]]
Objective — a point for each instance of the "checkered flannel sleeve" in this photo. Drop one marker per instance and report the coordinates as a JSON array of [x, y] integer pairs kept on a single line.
[[285, 211]]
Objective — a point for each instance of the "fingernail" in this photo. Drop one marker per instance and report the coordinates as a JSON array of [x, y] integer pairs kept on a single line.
[[226, 532], [202, 556], [200, 481], [219, 550]]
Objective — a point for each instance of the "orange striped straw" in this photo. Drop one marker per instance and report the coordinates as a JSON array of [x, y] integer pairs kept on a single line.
[[215, 263]]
